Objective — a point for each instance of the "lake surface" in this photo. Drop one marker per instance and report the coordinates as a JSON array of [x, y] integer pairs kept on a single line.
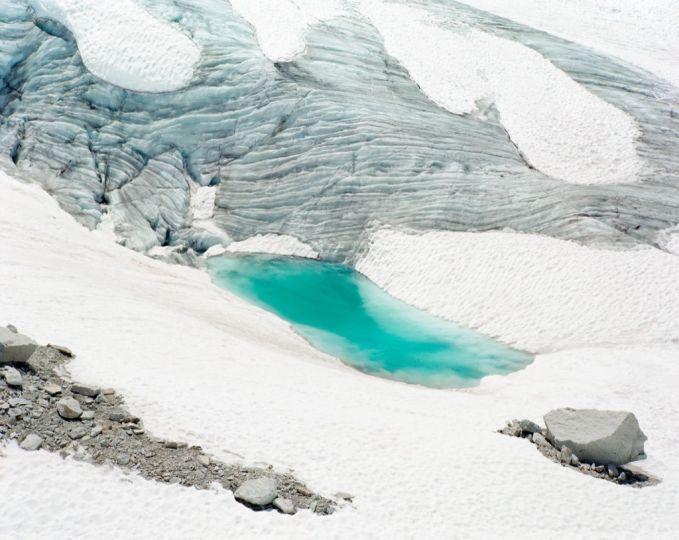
[[347, 316]]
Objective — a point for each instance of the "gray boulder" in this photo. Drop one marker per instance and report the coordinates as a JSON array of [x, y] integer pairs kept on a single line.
[[69, 408], [609, 437], [257, 492], [15, 348], [85, 390], [13, 377]]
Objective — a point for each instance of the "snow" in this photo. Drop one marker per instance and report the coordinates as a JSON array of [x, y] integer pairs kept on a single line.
[[275, 244], [122, 43], [537, 293], [201, 365], [641, 33], [561, 128], [280, 24]]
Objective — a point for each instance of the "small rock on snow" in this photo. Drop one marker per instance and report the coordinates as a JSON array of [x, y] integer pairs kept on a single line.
[[69, 408], [257, 492], [31, 442]]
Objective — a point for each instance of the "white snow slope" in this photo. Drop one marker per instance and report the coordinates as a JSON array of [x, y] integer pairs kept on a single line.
[[201, 365], [122, 43], [641, 33]]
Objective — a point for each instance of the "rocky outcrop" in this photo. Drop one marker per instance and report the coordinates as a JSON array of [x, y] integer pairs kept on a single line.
[[15, 348], [606, 437]]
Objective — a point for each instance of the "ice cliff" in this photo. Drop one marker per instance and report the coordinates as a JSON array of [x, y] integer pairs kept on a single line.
[[345, 136]]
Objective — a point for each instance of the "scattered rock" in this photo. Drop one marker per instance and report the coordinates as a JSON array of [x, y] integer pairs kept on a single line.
[[286, 506], [118, 415], [96, 431], [204, 460], [85, 390], [622, 477], [612, 471], [69, 408], [171, 444], [87, 415], [529, 426], [344, 496], [108, 391], [31, 442], [566, 455], [539, 440], [52, 389], [77, 432], [575, 460], [14, 347], [257, 492], [13, 377], [123, 459], [597, 436], [12, 328]]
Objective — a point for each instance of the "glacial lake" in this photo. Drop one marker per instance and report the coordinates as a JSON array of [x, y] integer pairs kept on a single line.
[[342, 313]]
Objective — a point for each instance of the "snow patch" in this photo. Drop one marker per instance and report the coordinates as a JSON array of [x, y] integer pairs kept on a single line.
[[562, 129], [274, 244], [122, 43], [534, 292], [280, 24]]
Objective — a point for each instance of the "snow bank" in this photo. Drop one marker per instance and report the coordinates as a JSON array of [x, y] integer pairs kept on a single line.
[[561, 128], [201, 365], [534, 292], [124, 44], [275, 244], [641, 33], [280, 24]]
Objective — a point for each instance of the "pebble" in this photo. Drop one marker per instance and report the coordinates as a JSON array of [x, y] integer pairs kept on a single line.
[[88, 415], [622, 477], [575, 460], [12, 328], [613, 471], [31, 442], [77, 433], [566, 455], [171, 444], [85, 390], [286, 506], [69, 408], [13, 377], [258, 491], [96, 431], [117, 415], [16, 401], [122, 459], [204, 460], [52, 389]]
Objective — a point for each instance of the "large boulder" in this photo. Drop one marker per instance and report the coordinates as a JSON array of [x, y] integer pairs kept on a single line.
[[605, 437], [15, 348], [257, 492]]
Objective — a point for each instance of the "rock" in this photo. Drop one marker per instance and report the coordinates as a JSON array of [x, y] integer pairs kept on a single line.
[[63, 350], [14, 347], [123, 459], [599, 468], [575, 460], [77, 432], [69, 408], [172, 444], [286, 506], [13, 377], [52, 389], [636, 472], [18, 402], [566, 455], [612, 471], [12, 328], [257, 492], [622, 477], [85, 390], [528, 426], [88, 415], [610, 437], [118, 415], [344, 496], [540, 441], [96, 431], [204, 460], [101, 398], [108, 391], [31, 442]]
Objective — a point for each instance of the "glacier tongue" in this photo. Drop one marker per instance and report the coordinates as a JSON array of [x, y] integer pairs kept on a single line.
[[329, 145]]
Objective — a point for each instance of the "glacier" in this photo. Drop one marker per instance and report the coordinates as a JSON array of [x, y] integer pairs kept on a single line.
[[329, 145]]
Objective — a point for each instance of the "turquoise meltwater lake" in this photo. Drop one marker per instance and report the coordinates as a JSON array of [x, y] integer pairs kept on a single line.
[[344, 314]]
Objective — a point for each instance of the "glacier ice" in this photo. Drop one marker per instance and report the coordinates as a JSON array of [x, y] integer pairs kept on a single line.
[[322, 148]]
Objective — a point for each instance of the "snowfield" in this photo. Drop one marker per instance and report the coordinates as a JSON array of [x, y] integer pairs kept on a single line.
[[203, 366]]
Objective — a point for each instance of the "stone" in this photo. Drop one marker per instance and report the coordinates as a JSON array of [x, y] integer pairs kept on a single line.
[[52, 389], [85, 390], [31, 442], [612, 471], [286, 506], [122, 459], [12, 328], [575, 460], [566, 455], [101, 398], [171, 444], [108, 391], [528, 426], [344, 496], [609, 437], [63, 350], [204, 460], [69, 408], [13, 377], [14, 347], [540, 441], [96, 431], [118, 415], [18, 402], [77, 432], [88, 415], [257, 492], [622, 477]]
